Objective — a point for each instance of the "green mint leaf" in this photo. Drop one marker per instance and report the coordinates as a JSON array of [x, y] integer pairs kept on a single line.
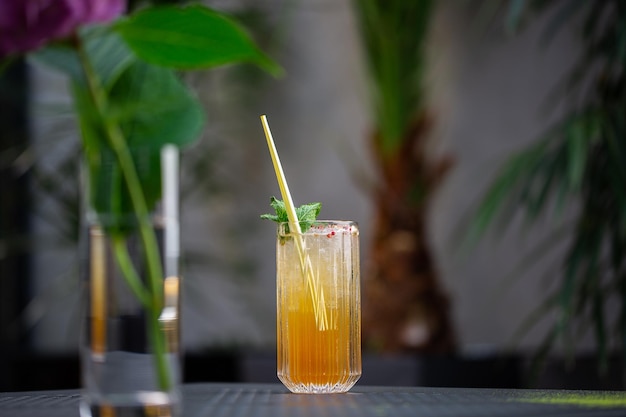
[[307, 213], [272, 217], [280, 209]]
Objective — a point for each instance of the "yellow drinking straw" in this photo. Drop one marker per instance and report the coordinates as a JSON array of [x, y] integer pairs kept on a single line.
[[294, 225]]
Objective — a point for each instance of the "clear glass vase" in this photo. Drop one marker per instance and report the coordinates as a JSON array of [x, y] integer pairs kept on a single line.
[[318, 307], [130, 357]]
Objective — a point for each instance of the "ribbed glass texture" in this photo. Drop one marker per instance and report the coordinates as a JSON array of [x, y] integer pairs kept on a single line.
[[319, 307]]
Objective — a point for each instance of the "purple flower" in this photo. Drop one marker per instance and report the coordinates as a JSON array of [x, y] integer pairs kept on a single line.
[[29, 24]]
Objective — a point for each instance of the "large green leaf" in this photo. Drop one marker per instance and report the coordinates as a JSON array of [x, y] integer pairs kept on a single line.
[[153, 107], [149, 105], [190, 38], [109, 56]]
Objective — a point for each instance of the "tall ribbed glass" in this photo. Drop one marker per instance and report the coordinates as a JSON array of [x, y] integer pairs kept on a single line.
[[318, 307]]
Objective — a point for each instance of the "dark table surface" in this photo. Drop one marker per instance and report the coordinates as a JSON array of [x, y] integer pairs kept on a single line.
[[273, 400]]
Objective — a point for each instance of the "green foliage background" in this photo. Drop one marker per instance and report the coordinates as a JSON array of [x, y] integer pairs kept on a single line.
[[580, 162]]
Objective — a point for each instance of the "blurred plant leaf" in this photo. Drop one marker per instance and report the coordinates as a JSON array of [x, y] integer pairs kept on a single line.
[[394, 34], [582, 159], [110, 56], [190, 37], [514, 15], [152, 108]]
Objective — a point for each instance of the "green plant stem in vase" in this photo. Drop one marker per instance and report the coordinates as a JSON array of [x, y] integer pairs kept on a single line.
[[152, 296], [134, 114]]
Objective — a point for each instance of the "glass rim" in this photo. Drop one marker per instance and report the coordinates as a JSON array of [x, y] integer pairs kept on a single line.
[[283, 227]]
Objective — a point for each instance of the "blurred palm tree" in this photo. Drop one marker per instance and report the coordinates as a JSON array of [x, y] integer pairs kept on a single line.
[[404, 307], [579, 163]]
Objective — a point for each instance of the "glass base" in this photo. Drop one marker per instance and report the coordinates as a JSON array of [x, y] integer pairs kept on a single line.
[[124, 384], [314, 388], [132, 410], [127, 381]]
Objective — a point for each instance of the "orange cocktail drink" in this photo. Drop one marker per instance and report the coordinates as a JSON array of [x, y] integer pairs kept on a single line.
[[318, 306]]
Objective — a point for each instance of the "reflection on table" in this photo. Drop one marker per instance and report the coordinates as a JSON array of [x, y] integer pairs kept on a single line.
[[273, 400]]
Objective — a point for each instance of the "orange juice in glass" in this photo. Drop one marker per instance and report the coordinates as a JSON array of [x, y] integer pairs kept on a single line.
[[318, 307]]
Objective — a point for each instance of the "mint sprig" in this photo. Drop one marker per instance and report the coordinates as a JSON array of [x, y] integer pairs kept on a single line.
[[307, 213]]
